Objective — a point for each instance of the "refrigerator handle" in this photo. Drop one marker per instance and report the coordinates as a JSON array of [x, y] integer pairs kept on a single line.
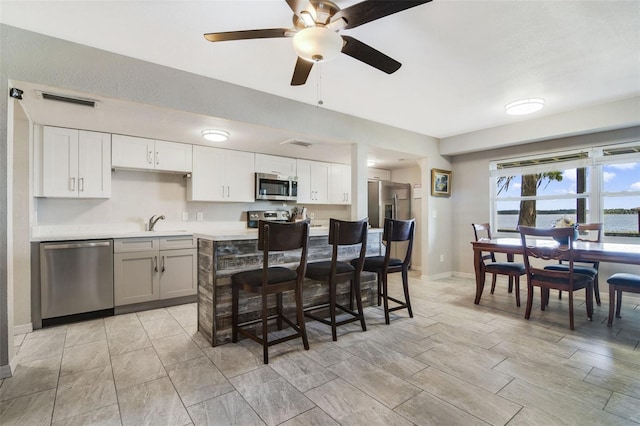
[[394, 213]]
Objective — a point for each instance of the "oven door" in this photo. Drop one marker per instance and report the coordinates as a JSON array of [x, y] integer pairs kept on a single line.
[[274, 187]]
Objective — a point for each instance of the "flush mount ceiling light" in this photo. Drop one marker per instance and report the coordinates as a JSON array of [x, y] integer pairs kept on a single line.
[[317, 44], [214, 135], [524, 106], [371, 163]]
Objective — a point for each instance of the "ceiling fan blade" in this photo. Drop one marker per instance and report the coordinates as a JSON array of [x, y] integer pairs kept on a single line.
[[370, 10], [301, 72], [370, 56], [298, 6], [248, 34]]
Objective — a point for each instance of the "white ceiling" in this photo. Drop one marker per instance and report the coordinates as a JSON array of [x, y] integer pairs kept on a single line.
[[462, 60]]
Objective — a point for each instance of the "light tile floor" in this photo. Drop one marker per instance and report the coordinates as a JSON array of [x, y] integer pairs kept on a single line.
[[453, 363]]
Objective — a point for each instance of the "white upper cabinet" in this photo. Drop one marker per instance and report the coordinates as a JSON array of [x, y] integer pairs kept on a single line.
[[313, 182], [131, 152], [340, 184], [277, 165], [221, 175], [378, 174], [72, 163]]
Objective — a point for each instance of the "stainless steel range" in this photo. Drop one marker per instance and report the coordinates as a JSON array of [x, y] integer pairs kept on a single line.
[[253, 217]]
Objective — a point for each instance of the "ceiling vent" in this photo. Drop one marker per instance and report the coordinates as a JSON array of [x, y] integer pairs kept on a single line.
[[76, 101], [297, 142]]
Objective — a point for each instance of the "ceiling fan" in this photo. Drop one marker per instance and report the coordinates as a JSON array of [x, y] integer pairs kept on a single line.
[[316, 24]]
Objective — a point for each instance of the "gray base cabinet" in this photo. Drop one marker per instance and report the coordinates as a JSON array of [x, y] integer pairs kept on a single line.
[[147, 269]]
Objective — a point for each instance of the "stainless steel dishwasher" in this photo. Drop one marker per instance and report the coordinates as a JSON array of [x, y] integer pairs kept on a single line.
[[76, 278]]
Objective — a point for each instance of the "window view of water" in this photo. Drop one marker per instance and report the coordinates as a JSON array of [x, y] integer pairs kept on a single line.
[[612, 222]]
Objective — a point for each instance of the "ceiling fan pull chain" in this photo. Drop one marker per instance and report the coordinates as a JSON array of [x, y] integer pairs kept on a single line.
[[319, 84]]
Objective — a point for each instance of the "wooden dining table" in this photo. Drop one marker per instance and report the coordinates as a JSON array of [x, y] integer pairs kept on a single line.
[[584, 251]]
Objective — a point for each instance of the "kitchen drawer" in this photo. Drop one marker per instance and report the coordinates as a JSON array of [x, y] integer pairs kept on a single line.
[[185, 242], [127, 245]]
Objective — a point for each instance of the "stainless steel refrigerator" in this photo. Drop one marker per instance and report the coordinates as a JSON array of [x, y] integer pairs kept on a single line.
[[388, 200]]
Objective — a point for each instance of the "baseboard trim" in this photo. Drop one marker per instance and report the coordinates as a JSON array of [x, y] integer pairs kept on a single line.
[[439, 276], [464, 275], [22, 329], [7, 370]]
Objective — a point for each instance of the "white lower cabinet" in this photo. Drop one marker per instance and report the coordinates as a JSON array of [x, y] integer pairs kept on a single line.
[[147, 269]]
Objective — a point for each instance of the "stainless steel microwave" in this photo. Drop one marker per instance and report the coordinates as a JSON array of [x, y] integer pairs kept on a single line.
[[276, 187]]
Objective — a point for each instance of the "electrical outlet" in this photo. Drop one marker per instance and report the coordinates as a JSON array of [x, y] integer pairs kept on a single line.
[[199, 216], [442, 258], [185, 216], [312, 216]]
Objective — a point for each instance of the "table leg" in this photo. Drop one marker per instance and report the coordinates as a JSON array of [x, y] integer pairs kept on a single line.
[[480, 275]]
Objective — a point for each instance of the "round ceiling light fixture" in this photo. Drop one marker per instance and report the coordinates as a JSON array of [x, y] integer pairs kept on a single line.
[[215, 135], [371, 163], [317, 44], [524, 106]]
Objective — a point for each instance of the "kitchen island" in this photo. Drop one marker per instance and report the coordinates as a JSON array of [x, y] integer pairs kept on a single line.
[[220, 256]]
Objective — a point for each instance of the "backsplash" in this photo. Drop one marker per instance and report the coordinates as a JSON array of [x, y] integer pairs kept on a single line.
[[136, 196]]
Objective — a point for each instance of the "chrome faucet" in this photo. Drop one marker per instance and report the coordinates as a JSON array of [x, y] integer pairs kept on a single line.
[[153, 220]]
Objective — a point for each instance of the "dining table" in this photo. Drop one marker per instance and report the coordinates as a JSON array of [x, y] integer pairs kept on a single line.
[[583, 251]]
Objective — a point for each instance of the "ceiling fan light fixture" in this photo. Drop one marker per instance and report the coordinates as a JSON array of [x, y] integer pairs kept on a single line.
[[524, 106], [214, 135], [317, 44]]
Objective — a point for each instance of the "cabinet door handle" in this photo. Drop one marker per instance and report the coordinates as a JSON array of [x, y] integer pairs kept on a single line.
[[155, 263], [81, 184], [150, 157], [157, 158], [72, 184], [222, 191], [228, 192], [163, 264]]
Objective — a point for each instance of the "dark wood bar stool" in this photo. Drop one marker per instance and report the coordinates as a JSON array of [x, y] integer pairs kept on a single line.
[[617, 284], [510, 268], [394, 231], [341, 233], [273, 236]]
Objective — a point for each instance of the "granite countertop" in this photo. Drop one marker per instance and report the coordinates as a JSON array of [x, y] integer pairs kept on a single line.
[[252, 234]]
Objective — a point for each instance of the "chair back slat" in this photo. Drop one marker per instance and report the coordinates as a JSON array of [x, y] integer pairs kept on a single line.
[[595, 227], [555, 251], [478, 229]]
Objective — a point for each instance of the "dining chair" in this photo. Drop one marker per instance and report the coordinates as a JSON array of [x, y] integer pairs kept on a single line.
[[273, 237], [394, 231], [565, 280], [617, 284], [334, 271], [510, 269], [588, 268]]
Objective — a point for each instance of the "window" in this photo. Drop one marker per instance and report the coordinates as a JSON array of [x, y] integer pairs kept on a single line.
[[592, 185]]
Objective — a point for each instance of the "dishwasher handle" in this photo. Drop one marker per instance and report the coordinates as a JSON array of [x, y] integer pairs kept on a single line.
[[76, 245]]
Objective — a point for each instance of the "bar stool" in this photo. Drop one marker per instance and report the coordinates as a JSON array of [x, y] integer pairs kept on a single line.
[[273, 236], [394, 231], [617, 284], [341, 233]]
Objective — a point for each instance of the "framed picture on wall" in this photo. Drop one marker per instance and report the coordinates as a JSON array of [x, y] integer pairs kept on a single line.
[[440, 183]]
